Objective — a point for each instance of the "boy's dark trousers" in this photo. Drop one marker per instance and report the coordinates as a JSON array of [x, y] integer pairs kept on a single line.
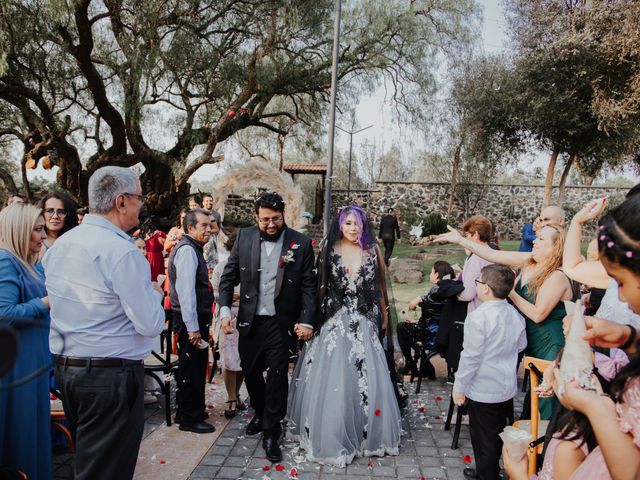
[[486, 421]]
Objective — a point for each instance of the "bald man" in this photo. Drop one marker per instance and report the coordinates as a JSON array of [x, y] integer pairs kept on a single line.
[[552, 215]]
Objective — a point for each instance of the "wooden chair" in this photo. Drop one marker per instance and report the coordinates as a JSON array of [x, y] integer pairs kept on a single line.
[[535, 367], [165, 363], [58, 418]]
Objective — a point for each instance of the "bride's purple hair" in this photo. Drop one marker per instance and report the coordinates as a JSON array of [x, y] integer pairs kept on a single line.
[[366, 238]]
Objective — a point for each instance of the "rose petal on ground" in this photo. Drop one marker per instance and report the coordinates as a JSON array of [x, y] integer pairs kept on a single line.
[[466, 459], [279, 468], [266, 468], [377, 412]]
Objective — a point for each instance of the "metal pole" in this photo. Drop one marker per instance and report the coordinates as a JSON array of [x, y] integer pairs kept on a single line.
[[349, 179], [328, 206]]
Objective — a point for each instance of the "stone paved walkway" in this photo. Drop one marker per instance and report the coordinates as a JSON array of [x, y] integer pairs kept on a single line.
[[425, 450]]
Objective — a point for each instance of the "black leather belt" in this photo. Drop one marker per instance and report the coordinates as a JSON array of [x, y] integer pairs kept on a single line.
[[96, 362]]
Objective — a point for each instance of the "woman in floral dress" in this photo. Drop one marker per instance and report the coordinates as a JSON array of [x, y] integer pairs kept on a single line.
[[342, 402]]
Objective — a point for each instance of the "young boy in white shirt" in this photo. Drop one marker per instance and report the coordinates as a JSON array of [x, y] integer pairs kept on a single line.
[[494, 334]]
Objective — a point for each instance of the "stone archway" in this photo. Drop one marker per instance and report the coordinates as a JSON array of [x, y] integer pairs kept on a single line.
[[259, 174]]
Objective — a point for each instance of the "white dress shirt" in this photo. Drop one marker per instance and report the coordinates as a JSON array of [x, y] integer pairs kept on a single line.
[[186, 262], [100, 292], [494, 334]]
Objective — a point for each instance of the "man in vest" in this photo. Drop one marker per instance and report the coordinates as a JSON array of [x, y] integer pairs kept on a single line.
[[191, 300], [274, 266]]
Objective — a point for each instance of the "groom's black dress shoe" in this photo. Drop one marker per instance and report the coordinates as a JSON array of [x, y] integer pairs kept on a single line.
[[272, 449], [199, 427], [255, 426], [471, 474]]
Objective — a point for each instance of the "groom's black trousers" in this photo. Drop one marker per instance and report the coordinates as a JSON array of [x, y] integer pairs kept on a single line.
[[265, 350]]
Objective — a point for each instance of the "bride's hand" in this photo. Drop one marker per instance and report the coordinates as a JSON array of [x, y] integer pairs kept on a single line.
[[303, 332]]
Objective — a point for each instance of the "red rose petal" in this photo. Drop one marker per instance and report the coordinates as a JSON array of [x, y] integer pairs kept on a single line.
[[292, 244], [314, 242], [232, 113], [421, 409], [377, 412], [467, 459], [279, 468], [370, 464], [266, 468], [53, 397], [437, 417], [162, 462], [421, 478], [293, 472], [210, 407], [438, 398], [416, 401]]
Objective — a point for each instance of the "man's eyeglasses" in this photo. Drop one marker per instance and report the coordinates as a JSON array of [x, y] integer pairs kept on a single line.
[[479, 282], [50, 212], [141, 198], [275, 220]]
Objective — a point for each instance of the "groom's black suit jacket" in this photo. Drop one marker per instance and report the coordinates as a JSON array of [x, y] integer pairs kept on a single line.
[[295, 290]]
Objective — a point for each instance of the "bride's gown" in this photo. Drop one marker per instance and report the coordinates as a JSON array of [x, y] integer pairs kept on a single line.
[[341, 400]]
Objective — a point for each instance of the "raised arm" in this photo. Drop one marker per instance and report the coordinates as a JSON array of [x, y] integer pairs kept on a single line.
[[590, 273], [511, 259], [550, 293]]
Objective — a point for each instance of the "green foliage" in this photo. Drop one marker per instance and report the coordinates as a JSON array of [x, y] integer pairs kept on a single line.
[[434, 224], [165, 83]]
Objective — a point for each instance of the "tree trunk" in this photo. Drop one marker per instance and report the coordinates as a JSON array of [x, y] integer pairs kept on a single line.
[[563, 179], [454, 176], [280, 152], [163, 195], [26, 186], [588, 179], [548, 183]]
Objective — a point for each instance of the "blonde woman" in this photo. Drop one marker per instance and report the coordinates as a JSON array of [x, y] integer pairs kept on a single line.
[[25, 431], [539, 291]]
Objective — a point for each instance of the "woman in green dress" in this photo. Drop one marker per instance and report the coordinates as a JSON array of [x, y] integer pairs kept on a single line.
[[539, 292]]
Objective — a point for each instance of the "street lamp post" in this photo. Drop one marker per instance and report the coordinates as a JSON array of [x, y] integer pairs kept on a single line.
[[351, 134], [332, 121]]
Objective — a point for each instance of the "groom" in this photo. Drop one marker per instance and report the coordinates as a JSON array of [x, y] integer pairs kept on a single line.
[[274, 266]]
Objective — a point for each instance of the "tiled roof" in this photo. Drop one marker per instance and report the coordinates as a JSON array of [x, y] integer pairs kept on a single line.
[[305, 167]]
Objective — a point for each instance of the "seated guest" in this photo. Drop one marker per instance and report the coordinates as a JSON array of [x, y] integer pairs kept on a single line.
[[494, 335], [25, 426], [431, 305]]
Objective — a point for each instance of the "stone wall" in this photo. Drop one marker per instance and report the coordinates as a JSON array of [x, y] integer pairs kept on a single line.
[[508, 206]]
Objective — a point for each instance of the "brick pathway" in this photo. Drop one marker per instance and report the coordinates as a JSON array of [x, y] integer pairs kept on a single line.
[[425, 450]]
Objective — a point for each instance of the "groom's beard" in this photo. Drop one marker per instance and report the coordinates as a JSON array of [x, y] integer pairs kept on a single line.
[[273, 238]]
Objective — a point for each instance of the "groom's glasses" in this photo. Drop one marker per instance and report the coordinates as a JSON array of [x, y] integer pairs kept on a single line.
[[277, 220]]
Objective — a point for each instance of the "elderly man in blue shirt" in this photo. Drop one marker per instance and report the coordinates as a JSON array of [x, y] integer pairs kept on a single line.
[[105, 311]]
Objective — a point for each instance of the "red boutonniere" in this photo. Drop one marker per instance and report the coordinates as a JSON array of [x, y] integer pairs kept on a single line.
[[287, 258], [293, 246]]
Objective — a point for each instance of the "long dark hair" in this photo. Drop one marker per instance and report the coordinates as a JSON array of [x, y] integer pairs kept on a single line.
[[619, 235], [71, 220]]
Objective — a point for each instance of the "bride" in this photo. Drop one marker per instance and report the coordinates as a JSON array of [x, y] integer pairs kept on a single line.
[[341, 401]]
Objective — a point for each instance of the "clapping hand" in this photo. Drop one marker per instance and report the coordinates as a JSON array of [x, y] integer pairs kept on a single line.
[[452, 236]]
